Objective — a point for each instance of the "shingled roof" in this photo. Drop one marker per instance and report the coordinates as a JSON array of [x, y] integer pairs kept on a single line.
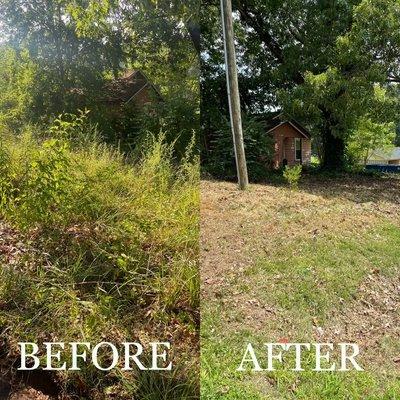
[[124, 89], [298, 127]]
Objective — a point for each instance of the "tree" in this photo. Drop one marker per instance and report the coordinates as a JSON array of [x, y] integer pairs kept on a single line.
[[369, 136], [49, 31], [317, 61], [17, 76], [161, 38], [78, 45]]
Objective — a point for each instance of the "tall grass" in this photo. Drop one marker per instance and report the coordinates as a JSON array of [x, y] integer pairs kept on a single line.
[[113, 251]]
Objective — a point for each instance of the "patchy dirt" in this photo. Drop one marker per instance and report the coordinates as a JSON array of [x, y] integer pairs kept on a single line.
[[12, 246], [29, 394], [369, 320], [238, 228]]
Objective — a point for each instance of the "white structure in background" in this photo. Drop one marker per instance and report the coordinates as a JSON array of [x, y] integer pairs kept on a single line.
[[385, 157]]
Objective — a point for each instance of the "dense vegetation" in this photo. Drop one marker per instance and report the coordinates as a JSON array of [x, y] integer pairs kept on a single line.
[[110, 254], [57, 56], [332, 65], [99, 217]]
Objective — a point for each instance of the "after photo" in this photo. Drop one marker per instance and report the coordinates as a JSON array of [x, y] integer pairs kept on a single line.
[[300, 268]]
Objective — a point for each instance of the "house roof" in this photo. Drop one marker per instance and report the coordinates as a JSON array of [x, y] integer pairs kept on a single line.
[[295, 125], [127, 87], [393, 154]]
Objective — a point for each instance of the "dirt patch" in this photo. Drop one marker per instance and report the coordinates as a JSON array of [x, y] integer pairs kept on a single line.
[[237, 227], [369, 320], [12, 246], [29, 394]]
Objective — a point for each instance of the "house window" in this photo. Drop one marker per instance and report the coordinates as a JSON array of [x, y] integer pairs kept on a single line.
[[297, 148]]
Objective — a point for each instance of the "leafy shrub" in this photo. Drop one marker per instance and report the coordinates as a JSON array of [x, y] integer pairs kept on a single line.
[[37, 181], [77, 129], [258, 146], [5, 178], [177, 119], [46, 185], [292, 175]]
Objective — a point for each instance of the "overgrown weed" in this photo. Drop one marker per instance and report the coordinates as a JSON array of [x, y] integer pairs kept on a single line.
[[116, 249]]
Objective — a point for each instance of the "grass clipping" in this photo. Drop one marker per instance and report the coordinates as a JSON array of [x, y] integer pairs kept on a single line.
[[99, 248]]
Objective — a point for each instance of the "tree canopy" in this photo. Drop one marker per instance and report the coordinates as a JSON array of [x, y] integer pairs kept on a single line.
[[75, 46], [327, 63]]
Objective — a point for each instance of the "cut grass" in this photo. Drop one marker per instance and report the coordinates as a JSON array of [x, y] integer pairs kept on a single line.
[[110, 254], [320, 265]]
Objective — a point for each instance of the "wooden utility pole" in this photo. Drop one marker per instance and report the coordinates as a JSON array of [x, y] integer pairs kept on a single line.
[[233, 93]]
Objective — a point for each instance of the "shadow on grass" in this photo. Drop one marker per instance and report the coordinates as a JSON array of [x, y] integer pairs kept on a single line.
[[358, 188]]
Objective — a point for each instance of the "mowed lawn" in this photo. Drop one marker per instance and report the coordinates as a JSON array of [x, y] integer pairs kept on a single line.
[[321, 264]]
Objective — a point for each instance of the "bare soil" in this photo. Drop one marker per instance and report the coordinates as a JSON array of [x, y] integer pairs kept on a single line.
[[238, 228]]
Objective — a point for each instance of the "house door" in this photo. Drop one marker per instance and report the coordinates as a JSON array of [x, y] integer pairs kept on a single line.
[[298, 150], [283, 160]]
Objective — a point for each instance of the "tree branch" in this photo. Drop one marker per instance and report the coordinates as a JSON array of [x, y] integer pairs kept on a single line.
[[261, 28]]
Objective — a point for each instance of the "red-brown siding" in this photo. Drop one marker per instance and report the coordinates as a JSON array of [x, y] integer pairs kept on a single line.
[[144, 97], [284, 136]]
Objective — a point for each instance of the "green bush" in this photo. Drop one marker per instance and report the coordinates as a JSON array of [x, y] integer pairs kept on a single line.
[[37, 182], [292, 175], [220, 160], [77, 129], [17, 77], [6, 187], [176, 117]]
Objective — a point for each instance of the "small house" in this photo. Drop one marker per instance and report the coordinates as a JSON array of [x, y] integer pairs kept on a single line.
[[384, 157], [292, 144], [132, 88]]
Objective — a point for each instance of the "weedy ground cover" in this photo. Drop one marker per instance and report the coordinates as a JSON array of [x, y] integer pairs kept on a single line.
[[100, 248]]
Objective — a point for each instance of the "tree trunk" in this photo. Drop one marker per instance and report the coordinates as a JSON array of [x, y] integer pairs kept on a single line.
[[194, 31], [334, 150], [333, 146]]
